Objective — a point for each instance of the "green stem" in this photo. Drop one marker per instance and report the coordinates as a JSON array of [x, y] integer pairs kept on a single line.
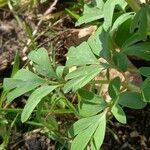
[[134, 4], [12, 110]]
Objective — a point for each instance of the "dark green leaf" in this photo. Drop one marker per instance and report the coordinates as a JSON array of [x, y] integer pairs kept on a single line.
[[90, 103], [121, 61], [106, 44], [146, 90], [140, 22], [131, 100], [114, 88], [141, 50], [120, 20], [145, 71]]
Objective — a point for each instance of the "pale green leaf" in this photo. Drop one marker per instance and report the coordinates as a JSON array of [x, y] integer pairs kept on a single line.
[[95, 43], [23, 88], [23, 82], [81, 55], [34, 99], [80, 77], [42, 62], [109, 8], [82, 124], [83, 138], [119, 114], [91, 13], [99, 134]]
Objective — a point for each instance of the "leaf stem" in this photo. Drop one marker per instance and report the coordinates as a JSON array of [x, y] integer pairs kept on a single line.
[[12, 110]]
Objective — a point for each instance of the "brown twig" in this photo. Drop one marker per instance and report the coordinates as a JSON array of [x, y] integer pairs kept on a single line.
[[48, 11]]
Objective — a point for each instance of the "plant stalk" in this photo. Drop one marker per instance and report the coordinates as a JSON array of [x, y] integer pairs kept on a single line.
[[134, 4], [19, 110]]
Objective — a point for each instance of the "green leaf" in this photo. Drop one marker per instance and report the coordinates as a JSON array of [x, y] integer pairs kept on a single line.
[[10, 84], [119, 114], [145, 71], [34, 99], [42, 62], [23, 82], [123, 34], [146, 90], [130, 39], [80, 77], [90, 131], [122, 65], [141, 50], [106, 44], [114, 88], [82, 124], [81, 55], [141, 21], [91, 13], [90, 103], [95, 43], [26, 75], [120, 20], [62, 71], [15, 65], [109, 8], [22, 89], [131, 100], [99, 134], [99, 3], [83, 138]]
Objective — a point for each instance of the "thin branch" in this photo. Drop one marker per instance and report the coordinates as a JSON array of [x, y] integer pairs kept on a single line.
[[48, 11], [134, 4]]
